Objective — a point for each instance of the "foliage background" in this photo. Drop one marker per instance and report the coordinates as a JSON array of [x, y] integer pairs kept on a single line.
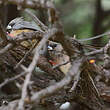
[[78, 16]]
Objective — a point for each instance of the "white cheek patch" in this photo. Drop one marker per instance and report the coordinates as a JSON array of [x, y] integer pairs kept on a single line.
[[49, 48], [9, 27], [65, 106]]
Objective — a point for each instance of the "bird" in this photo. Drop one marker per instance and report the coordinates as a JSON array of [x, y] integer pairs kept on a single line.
[[58, 57], [19, 25], [54, 51]]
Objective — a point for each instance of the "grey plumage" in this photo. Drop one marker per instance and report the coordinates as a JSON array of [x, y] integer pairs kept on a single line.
[[19, 23]]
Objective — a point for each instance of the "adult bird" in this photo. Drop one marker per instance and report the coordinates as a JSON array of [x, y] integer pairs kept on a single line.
[[58, 57], [19, 25], [16, 27]]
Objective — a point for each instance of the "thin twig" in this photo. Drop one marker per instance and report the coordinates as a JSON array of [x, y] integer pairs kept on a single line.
[[98, 94], [27, 53], [64, 63], [76, 80], [26, 36], [95, 37], [19, 38], [6, 48], [107, 56], [37, 21], [11, 79], [95, 52]]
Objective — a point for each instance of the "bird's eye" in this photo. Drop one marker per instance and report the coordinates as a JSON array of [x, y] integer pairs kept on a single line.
[[9, 27], [54, 45], [11, 24]]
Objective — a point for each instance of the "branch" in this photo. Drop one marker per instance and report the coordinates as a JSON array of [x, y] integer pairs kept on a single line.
[[26, 54], [21, 37], [76, 67], [107, 56], [26, 4], [11, 79], [52, 15], [95, 37], [31, 67], [37, 21], [26, 36], [6, 48], [95, 52]]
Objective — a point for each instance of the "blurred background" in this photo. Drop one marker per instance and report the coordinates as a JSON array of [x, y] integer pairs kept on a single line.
[[84, 18]]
